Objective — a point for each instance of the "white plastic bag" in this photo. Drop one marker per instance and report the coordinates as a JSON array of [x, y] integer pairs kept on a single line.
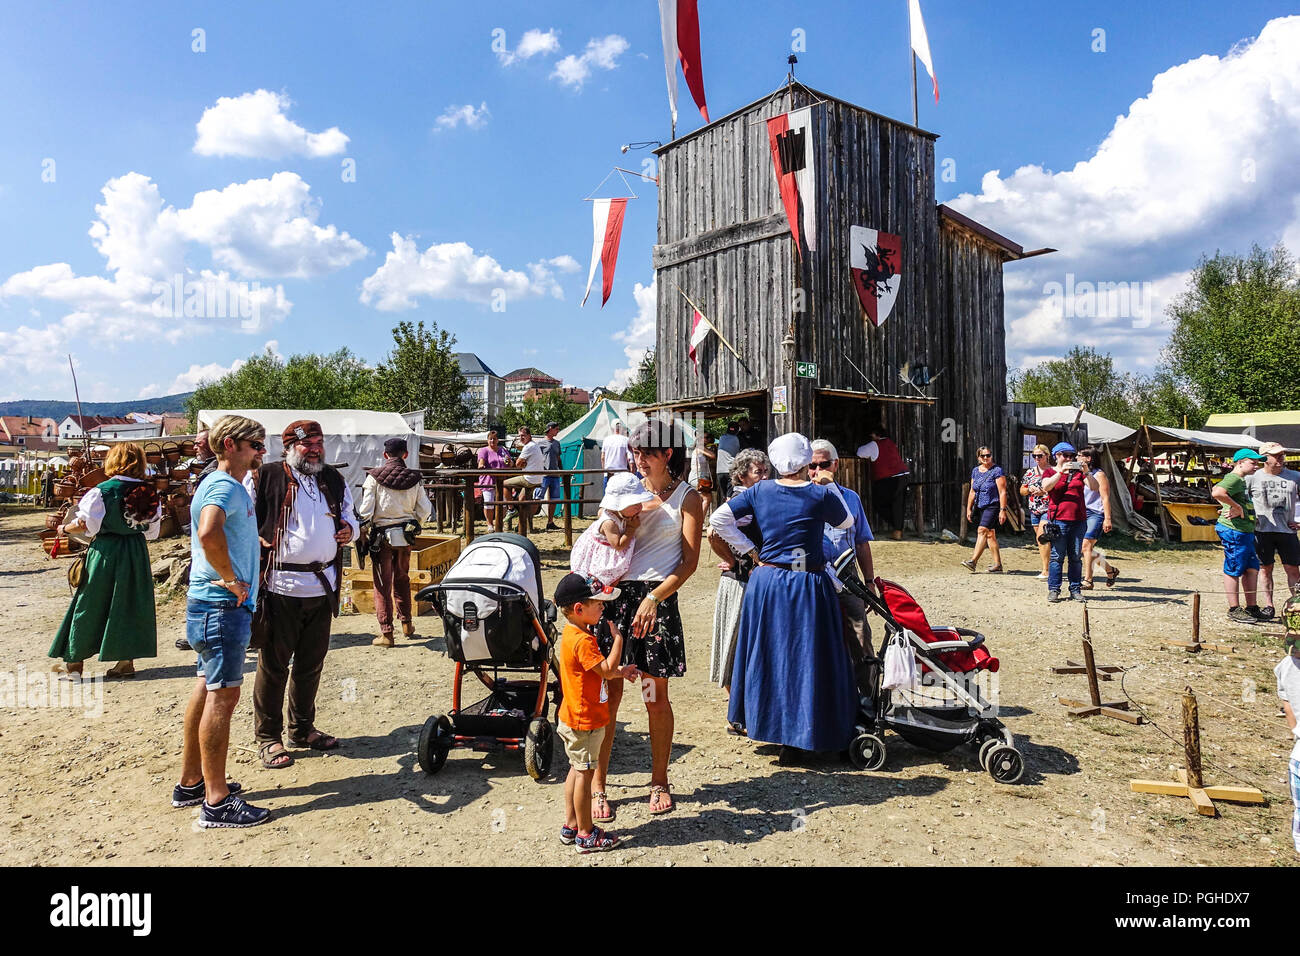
[[900, 663]]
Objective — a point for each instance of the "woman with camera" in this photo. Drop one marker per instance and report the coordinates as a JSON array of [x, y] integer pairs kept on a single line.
[[1066, 521], [987, 504]]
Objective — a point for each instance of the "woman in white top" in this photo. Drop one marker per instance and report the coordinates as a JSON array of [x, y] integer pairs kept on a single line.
[[667, 553]]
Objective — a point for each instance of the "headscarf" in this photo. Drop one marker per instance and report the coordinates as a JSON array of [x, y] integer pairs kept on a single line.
[[789, 453]]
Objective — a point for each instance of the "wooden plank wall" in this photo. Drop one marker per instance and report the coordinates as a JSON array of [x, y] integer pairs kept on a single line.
[[724, 239]]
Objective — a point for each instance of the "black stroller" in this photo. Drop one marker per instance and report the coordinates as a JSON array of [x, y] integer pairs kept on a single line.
[[496, 620], [948, 708]]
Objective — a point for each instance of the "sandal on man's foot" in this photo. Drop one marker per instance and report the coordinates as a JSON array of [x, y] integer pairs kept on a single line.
[[273, 759], [317, 740], [598, 800], [1111, 574], [658, 804]]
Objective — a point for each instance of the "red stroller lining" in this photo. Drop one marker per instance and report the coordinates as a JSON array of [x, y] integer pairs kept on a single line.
[[909, 615]]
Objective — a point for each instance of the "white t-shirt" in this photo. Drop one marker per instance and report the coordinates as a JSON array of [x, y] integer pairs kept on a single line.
[[532, 458], [1287, 673], [614, 452]]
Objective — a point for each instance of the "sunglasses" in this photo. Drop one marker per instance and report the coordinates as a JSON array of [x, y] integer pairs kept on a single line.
[[256, 446], [1039, 454], [818, 465], [986, 456]]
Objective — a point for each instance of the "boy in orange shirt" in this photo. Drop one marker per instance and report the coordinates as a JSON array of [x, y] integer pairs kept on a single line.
[[584, 710]]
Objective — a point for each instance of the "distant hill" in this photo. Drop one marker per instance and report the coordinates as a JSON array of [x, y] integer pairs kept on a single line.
[[37, 408]]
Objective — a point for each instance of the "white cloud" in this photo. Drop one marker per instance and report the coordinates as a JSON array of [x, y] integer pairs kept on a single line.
[[1204, 162], [189, 380], [602, 52], [254, 125], [267, 227], [453, 270], [533, 43], [454, 116], [639, 336], [261, 228]]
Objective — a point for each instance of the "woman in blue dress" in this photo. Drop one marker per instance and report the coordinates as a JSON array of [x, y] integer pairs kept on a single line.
[[793, 679]]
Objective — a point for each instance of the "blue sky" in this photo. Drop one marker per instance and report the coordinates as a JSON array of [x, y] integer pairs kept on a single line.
[[114, 92]]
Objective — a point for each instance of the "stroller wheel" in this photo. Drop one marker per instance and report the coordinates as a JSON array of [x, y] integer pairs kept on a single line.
[[538, 746], [867, 752], [1005, 764], [435, 744], [985, 748]]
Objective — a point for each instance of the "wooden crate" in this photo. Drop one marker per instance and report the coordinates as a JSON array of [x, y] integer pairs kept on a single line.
[[1181, 511], [435, 553]]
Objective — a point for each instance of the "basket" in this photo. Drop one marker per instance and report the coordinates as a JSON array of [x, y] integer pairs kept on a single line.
[[65, 487], [179, 505], [1291, 614], [187, 448], [93, 477], [172, 453], [155, 456]]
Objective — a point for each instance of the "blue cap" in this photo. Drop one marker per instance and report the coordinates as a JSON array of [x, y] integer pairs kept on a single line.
[[1062, 446], [1246, 453]]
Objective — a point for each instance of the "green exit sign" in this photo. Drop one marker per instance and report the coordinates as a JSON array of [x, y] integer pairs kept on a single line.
[[805, 369]]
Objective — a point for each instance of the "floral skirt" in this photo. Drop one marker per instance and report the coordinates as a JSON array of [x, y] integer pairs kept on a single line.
[[662, 652]]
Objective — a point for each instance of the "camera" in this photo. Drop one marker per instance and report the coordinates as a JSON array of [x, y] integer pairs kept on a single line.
[[1051, 531]]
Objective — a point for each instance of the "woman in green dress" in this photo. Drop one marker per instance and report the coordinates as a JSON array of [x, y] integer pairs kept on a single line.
[[112, 612]]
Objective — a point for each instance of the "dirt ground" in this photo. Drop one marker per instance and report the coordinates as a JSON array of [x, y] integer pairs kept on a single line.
[[96, 790]]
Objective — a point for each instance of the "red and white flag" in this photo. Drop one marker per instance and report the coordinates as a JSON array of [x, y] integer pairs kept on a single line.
[[921, 44], [876, 261], [790, 136], [700, 329], [680, 22], [607, 222]]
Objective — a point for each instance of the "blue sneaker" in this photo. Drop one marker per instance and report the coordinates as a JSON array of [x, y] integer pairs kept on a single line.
[[233, 813], [597, 842], [568, 835], [193, 796]]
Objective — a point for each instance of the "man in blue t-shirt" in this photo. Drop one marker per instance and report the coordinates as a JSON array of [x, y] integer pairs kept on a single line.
[[218, 620], [825, 463]]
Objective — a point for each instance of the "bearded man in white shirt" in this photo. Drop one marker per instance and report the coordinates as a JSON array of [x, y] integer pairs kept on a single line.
[[395, 504], [304, 517]]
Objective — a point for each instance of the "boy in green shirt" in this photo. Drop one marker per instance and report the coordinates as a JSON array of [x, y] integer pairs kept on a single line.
[[1236, 529]]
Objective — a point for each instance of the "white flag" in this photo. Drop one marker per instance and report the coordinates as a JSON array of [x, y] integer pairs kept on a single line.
[[921, 44]]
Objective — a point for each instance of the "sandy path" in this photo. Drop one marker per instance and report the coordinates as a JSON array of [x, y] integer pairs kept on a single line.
[[75, 789]]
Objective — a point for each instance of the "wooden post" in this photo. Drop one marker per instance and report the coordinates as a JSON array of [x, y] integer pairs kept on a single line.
[[498, 513], [467, 508], [1155, 480], [918, 510], [1196, 620], [1192, 739], [1196, 645], [1090, 663], [965, 497], [567, 481]]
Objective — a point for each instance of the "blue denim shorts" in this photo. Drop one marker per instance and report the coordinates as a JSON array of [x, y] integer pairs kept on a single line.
[[1092, 530], [1037, 517], [219, 632], [1238, 551]]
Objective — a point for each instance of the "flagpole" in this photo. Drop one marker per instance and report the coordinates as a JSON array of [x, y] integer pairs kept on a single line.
[[706, 319], [916, 119]]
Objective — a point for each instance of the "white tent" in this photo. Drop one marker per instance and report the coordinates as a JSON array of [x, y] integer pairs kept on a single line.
[[354, 438], [1101, 431]]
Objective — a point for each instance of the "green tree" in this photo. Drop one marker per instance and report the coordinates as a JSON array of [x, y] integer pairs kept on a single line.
[[422, 372], [550, 406], [644, 388], [337, 380], [1161, 399], [1237, 332], [1083, 376]]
